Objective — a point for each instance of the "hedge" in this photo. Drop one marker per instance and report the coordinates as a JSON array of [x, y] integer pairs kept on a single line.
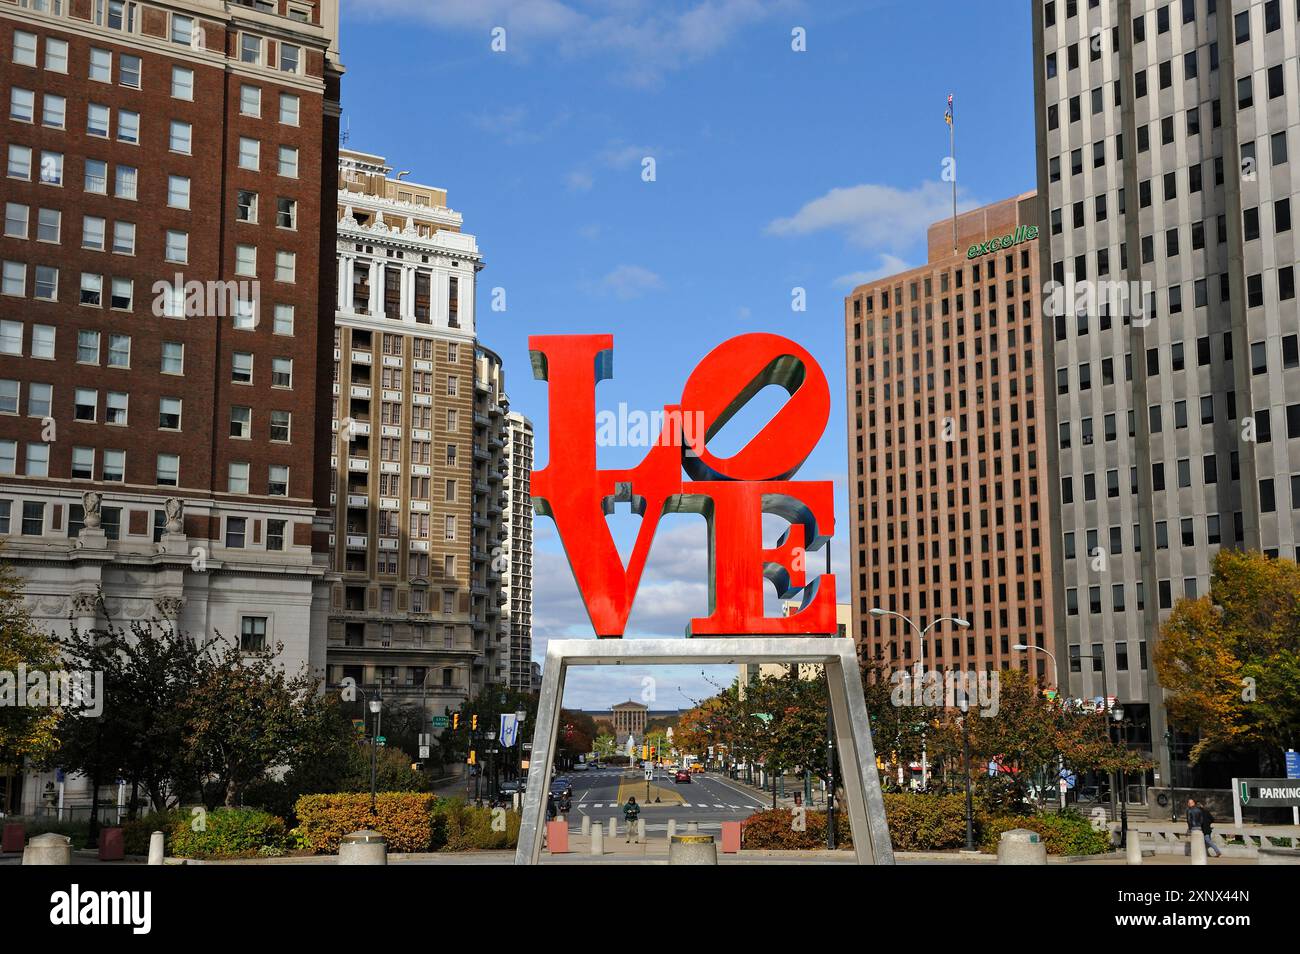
[[773, 829], [1064, 833], [927, 823], [137, 834], [230, 833], [403, 818], [460, 827]]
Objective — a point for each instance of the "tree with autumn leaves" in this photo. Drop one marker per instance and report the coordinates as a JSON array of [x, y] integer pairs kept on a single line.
[[26, 732], [1230, 660]]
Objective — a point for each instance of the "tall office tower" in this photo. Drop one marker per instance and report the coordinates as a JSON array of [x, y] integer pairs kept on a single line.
[[163, 347], [488, 589], [944, 388], [519, 548], [1164, 133], [405, 616]]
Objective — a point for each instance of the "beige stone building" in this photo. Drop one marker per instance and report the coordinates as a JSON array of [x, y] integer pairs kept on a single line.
[[418, 421]]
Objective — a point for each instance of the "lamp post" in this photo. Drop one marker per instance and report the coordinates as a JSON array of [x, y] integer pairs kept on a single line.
[[1105, 711], [1117, 716], [965, 751], [957, 621], [1056, 681], [376, 706]]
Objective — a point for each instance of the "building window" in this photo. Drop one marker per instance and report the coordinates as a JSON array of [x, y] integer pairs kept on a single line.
[[182, 83], [278, 481], [168, 470], [38, 460], [237, 477], [33, 518], [275, 534], [252, 634]]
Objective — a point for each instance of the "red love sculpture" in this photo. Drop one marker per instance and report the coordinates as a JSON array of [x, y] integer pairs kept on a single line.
[[732, 494]]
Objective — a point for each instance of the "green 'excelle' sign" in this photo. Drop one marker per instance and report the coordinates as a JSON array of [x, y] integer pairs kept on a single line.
[[1023, 233]]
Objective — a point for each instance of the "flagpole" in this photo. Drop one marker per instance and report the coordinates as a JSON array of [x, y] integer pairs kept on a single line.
[[952, 154]]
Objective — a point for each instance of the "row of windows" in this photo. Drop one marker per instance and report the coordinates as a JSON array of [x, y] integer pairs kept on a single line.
[[183, 30], [926, 285], [36, 463]]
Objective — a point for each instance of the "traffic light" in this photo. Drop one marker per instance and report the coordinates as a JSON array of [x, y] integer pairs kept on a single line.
[[652, 753], [645, 752], [455, 721], [473, 758], [473, 722]]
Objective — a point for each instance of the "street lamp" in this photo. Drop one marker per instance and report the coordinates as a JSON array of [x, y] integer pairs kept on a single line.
[[960, 623], [964, 704], [1117, 715], [376, 707]]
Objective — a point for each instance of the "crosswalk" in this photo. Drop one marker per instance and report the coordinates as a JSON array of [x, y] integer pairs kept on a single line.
[[738, 808]]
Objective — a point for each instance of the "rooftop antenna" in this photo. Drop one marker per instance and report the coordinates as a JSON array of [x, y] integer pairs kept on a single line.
[[346, 134]]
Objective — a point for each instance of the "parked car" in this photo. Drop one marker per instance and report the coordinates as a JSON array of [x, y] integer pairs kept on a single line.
[[512, 785], [681, 775], [580, 766]]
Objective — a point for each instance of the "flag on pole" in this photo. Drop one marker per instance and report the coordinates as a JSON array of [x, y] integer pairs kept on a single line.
[[947, 116]]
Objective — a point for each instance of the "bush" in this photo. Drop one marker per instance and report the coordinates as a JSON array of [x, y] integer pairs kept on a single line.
[[1064, 833], [456, 826], [773, 830], [926, 822], [229, 833], [136, 834], [79, 832], [403, 818]]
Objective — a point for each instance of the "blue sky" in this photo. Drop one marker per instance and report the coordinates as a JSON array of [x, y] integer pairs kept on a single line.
[[774, 170]]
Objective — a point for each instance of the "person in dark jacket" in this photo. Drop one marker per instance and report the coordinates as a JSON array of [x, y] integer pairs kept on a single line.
[[631, 812], [1200, 823]]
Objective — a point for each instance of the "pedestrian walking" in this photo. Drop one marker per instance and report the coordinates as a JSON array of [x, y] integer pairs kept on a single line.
[[550, 807], [631, 811], [1200, 823]]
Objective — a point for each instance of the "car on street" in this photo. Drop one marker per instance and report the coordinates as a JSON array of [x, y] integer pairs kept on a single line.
[[680, 776], [580, 766], [561, 786], [512, 785]]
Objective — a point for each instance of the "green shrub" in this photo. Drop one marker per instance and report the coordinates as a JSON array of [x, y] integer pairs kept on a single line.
[[1063, 833], [403, 818], [79, 832], [773, 830], [926, 822], [456, 826], [229, 833], [136, 834]]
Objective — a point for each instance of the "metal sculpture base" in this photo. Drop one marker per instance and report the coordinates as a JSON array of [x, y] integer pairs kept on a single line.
[[859, 776]]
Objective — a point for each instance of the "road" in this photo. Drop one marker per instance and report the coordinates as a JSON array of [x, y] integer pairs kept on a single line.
[[706, 799]]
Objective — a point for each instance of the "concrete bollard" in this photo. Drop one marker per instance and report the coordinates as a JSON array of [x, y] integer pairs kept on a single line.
[[1020, 846], [692, 850], [363, 848], [642, 830], [1133, 848], [157, 848], [672, 828], [613, 828], [586, 824], [48, 849], [1199, 854], [692, 828], [597, 840]]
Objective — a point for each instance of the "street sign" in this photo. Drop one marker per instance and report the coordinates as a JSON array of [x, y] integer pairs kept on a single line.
[[649, 772], [441, 722], [1068, 779], [993, 768], [424, 751], [1292, 763], [381, 741], [1269, 792], [528, 746]]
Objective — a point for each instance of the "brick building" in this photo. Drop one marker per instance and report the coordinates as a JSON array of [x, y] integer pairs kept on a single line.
[[165, 326], [946, 476]]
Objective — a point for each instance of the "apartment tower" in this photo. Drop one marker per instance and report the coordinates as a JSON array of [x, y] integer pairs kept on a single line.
[[1164, 140], [417, 406], [518, 496], [944, 391]]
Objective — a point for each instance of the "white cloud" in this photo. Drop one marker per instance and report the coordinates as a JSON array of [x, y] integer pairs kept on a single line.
[[630, 281], [579, 180], [889, 265], [645, 38], [873, 215]]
